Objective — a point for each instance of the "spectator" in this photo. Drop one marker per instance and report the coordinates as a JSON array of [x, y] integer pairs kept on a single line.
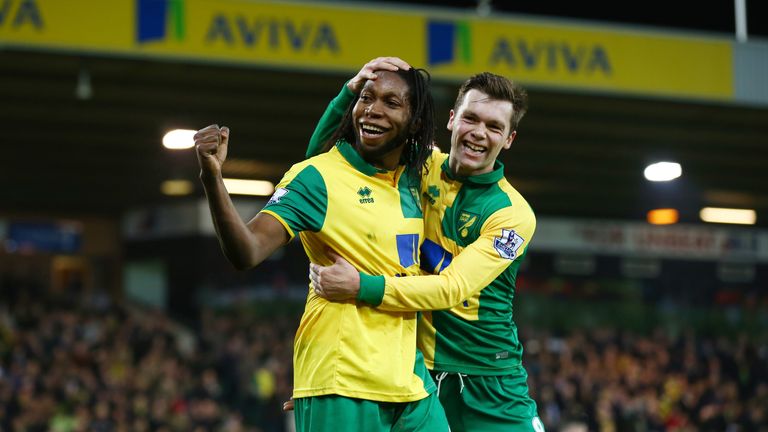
[[70, 369]]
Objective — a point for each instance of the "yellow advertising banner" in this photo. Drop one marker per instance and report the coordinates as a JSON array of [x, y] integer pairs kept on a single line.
[[334, 37], [584, 57]]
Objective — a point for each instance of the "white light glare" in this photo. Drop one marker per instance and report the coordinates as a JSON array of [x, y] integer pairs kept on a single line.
[[249, 187], [178, 139], [663, 171], [83, 89], [728, 215]]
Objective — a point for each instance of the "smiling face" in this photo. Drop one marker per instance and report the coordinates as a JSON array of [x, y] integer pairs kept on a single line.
[[480, 128], [381, 118]]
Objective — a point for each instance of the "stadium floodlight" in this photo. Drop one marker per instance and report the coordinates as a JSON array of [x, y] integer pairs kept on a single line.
[[177, 187], [728, 215], [249, 187], [663, 216], [663, 171], [179, 139]]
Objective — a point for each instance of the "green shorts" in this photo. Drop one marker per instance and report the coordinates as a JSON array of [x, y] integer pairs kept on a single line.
[[335, 413], [475, 403]]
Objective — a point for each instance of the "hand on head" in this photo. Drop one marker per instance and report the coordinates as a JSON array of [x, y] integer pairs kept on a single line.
[[368, 72]]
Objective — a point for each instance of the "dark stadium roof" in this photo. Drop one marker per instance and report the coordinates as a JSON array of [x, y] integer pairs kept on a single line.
[[576, 155], [718, 16]]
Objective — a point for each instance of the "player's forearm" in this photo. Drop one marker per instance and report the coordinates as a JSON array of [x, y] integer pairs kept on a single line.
[[236, 240], [470, 272], [433, 292], [329, 122], [416, 293]]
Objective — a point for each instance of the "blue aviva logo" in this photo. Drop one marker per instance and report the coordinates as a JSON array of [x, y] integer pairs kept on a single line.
[[156, 18], [448, 41]]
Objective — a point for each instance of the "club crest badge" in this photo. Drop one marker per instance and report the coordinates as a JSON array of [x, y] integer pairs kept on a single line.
[[466, 220]]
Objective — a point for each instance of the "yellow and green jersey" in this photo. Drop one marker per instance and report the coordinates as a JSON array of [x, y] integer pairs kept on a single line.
[[372, 218], [477, 230]]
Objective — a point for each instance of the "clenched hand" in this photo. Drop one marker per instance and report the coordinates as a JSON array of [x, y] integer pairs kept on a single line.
[[211, 144]]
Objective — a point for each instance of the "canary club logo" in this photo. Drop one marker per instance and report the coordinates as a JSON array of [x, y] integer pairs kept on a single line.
[[448, 42], [365, 195], [466, 220], [159, 20]]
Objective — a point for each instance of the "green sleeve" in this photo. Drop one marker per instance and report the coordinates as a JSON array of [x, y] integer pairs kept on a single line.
[[329, 121], [371, 289], [301, 200]]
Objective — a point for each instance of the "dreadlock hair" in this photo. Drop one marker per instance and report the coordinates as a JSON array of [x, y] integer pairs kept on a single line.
[[499, 88], [422, 123]]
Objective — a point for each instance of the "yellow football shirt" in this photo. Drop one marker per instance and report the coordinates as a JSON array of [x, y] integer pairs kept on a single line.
[[373, 219]]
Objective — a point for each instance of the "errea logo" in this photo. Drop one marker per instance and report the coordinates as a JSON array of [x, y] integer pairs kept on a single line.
[[365, 195]]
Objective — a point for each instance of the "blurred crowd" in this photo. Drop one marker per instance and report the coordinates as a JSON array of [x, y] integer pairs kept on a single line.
[[93, 365], [103, 367], [610, 381]]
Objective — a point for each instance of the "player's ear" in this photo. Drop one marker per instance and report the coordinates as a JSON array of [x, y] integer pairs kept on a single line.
[[510, 138], [450, 121]]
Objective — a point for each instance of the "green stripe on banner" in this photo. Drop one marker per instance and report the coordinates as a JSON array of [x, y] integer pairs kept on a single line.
[[177, 15], [464, 42]]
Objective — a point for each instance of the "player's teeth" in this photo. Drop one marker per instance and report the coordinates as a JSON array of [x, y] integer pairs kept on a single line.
[[471, 147]]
